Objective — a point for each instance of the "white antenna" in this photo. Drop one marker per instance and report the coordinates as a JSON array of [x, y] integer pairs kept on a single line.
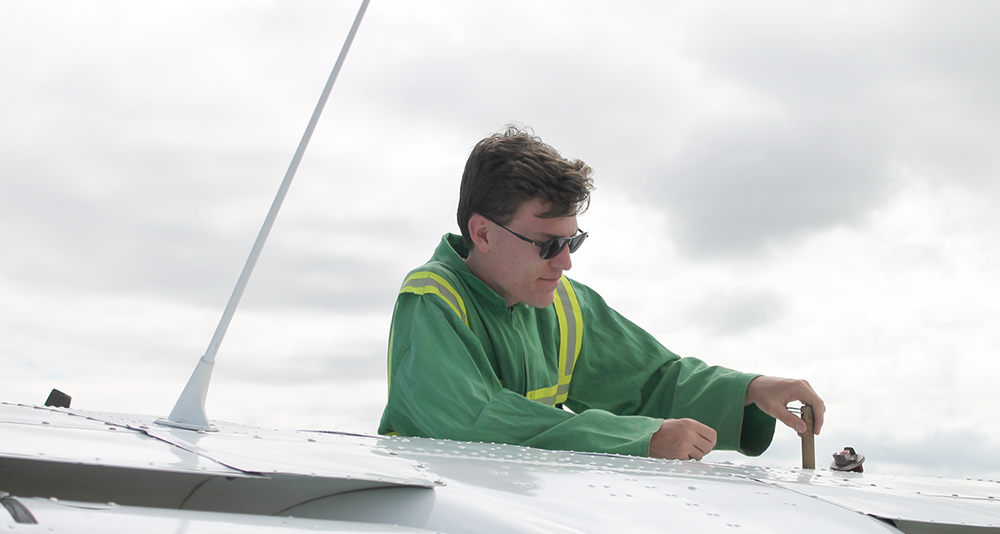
[[189, 412]]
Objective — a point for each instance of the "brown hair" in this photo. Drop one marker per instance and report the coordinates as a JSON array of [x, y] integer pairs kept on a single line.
[[510, 168]]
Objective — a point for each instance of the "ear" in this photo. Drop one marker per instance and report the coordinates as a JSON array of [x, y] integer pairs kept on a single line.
[[479, 230]]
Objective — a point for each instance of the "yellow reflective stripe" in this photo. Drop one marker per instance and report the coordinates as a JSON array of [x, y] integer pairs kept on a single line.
[[570, 329], [567, 308], [424, 282], [541, 394], [553, 395], [577, 336]]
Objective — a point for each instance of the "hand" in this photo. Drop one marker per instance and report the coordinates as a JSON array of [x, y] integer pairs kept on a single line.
[[682, 439], [772, 395]]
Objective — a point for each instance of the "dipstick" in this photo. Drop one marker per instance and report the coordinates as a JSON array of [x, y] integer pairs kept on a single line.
[[808, 442]]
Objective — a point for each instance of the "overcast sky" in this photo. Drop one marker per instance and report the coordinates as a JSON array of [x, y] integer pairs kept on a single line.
[[799, 189]]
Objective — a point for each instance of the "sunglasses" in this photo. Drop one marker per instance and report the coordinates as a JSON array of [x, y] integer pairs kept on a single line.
[[551, 248]]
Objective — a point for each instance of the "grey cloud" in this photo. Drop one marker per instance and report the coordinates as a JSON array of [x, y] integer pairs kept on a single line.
[[332, 282], [739, 310], [352, 365], [113, 233], [840, 98], [182, 231], [737, 187], [836, 106]]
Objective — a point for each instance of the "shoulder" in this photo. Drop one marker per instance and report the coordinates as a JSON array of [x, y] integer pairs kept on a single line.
[[596, 311], [436, 282], [585, 295], [433, 274]]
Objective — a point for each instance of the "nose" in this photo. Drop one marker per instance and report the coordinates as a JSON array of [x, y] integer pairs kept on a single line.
[[562, 260]]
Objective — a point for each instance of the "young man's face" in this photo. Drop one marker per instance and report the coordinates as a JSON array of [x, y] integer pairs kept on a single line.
[[513, 267]]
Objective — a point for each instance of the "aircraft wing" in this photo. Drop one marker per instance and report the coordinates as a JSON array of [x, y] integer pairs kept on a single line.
[[45, 515], [243, 478]]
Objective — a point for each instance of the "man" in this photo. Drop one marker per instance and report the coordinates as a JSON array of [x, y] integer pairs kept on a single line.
[[490, 342]]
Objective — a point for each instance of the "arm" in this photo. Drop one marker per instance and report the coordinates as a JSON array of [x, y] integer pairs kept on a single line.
[[704, 405], [688, 439], [443, 385]]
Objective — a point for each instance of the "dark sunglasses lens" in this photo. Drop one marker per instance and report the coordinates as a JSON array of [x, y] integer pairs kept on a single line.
[[551, 248]]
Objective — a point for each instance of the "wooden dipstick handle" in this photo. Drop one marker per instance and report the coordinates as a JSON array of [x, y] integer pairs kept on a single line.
[[808, 443]]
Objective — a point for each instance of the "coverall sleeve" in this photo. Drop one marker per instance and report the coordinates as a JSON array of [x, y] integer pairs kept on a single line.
[[624, 370], [442, 385]]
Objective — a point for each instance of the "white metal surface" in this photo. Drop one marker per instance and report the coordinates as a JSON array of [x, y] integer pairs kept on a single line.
[[85, 518], [121, 440], [80, 437], [455, 487], [530, 490], [88, 456], [928, 500]]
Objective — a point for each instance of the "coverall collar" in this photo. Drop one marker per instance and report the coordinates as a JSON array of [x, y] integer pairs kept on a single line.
[[452, 252]]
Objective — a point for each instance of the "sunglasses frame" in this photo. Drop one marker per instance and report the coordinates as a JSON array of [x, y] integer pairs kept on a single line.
[[551, 248]]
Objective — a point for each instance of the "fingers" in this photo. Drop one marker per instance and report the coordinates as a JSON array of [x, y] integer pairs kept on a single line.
[[703, 442], [682, 439], [819, 410], [791, 421], [806, 395], [772, 396]]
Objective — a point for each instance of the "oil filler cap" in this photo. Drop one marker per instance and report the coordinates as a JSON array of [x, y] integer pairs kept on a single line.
[[848, 460]]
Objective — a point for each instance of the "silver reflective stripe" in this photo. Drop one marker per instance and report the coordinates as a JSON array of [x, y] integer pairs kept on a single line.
[[569, 349], [567, 310], [425, 282], [550, 400], [561, 392]]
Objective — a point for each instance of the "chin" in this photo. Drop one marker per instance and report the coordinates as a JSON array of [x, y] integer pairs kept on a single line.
[[541, 301]]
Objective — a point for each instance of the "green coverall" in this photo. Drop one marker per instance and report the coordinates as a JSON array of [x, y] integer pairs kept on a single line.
[[460, 368]]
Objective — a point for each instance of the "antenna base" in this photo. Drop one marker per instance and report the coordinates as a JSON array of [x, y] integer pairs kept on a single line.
[[186, 426], [189, 412]]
